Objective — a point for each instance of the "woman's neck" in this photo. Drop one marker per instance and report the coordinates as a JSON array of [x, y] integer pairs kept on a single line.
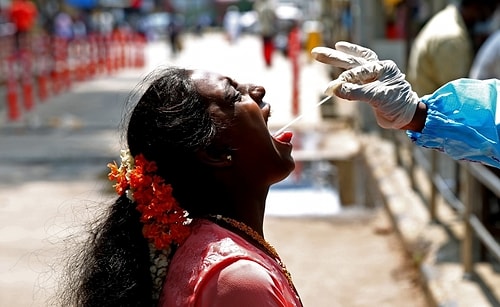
[[246, 206]]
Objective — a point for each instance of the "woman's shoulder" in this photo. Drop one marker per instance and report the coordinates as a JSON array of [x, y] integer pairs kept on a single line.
[[207, 235], [208, 246], [244, 283], [209, 250]]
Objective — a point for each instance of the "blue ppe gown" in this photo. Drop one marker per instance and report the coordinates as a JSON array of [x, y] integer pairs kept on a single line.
[[463, 121]]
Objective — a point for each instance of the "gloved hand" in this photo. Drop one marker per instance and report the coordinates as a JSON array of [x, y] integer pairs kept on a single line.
[[345, 55], [379, 83]]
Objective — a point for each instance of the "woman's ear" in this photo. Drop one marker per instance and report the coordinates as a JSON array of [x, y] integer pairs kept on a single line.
[[215, 158]]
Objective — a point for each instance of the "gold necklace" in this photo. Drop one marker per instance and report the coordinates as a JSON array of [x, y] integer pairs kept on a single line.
[[261, 241]]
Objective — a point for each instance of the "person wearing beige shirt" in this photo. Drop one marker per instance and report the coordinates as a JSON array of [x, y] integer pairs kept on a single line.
[[443, 50]]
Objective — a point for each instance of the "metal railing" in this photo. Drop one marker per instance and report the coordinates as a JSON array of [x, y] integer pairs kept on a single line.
[[461, 189]]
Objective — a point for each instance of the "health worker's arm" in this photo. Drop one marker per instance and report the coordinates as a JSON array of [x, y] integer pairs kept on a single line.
[[462, 119]]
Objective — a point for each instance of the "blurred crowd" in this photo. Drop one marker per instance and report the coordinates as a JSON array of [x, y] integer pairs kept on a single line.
[[76, 18], [272, 20], [73, 19]]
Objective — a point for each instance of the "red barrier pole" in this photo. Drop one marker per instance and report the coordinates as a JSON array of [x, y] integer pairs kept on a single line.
[[78, 59], [13, 109], [130, 49], [89, 67], [55, 74], [101, 53], [118, 49], [294, 48], [294, 54], [43, 92], [60, 74], [42, 61], [65, 64], [26, 79], [93, 54], [139, 43], [88, 57], [109, 54]]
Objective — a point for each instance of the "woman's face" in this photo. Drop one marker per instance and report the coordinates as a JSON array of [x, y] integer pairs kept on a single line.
[[256, 155]]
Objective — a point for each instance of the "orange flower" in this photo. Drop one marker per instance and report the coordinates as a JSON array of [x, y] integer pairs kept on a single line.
[[165, 222], [117, 175]]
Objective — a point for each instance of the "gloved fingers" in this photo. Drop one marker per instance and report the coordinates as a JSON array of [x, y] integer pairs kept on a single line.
[[367, 93], [337, 58], [349, 91], [333, 87], [358, 75], [363, 74], [390, 71], [356, 50]]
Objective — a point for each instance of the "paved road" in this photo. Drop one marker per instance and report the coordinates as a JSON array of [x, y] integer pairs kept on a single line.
[[52, 167]]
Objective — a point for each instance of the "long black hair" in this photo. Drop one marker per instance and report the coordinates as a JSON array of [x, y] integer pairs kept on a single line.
[[167, 125]]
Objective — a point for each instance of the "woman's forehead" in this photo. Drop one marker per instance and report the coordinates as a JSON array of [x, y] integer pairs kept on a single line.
[[210, 83], [207, 76]]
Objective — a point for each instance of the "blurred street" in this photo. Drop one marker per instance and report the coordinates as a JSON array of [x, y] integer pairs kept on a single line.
[[52, 179]]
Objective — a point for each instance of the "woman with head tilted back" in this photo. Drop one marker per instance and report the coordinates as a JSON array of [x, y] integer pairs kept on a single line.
[[187, 227]]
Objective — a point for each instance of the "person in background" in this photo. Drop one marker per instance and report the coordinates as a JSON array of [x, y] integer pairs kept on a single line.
[[486, 63], [232, 23], [266, 11], [187, 226], [443, 50], [174, 29], [63, 26], [460, 118], [79, 27]]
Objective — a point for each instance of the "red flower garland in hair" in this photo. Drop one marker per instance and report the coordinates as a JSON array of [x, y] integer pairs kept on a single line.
[[165, 222]]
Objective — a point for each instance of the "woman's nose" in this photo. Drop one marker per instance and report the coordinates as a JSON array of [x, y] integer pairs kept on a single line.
[[257, 92]]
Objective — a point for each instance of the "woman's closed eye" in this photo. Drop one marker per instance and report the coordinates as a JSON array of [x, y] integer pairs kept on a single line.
[[236, 97]]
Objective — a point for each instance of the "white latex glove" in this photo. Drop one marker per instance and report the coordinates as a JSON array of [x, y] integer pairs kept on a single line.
[[345, 55], [378, 83]]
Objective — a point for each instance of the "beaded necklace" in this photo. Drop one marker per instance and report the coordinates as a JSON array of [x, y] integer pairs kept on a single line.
[[271, 251]]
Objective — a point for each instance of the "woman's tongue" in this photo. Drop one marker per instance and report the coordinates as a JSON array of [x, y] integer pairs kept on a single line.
[[285, 137]]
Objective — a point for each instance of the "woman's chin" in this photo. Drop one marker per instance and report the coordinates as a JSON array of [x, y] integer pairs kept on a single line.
[[289, 170]]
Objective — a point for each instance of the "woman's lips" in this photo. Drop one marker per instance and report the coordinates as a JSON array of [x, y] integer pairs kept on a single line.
[[285, 137]]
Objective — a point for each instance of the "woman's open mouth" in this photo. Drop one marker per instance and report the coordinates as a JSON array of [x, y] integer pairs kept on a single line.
[[284, 137]]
